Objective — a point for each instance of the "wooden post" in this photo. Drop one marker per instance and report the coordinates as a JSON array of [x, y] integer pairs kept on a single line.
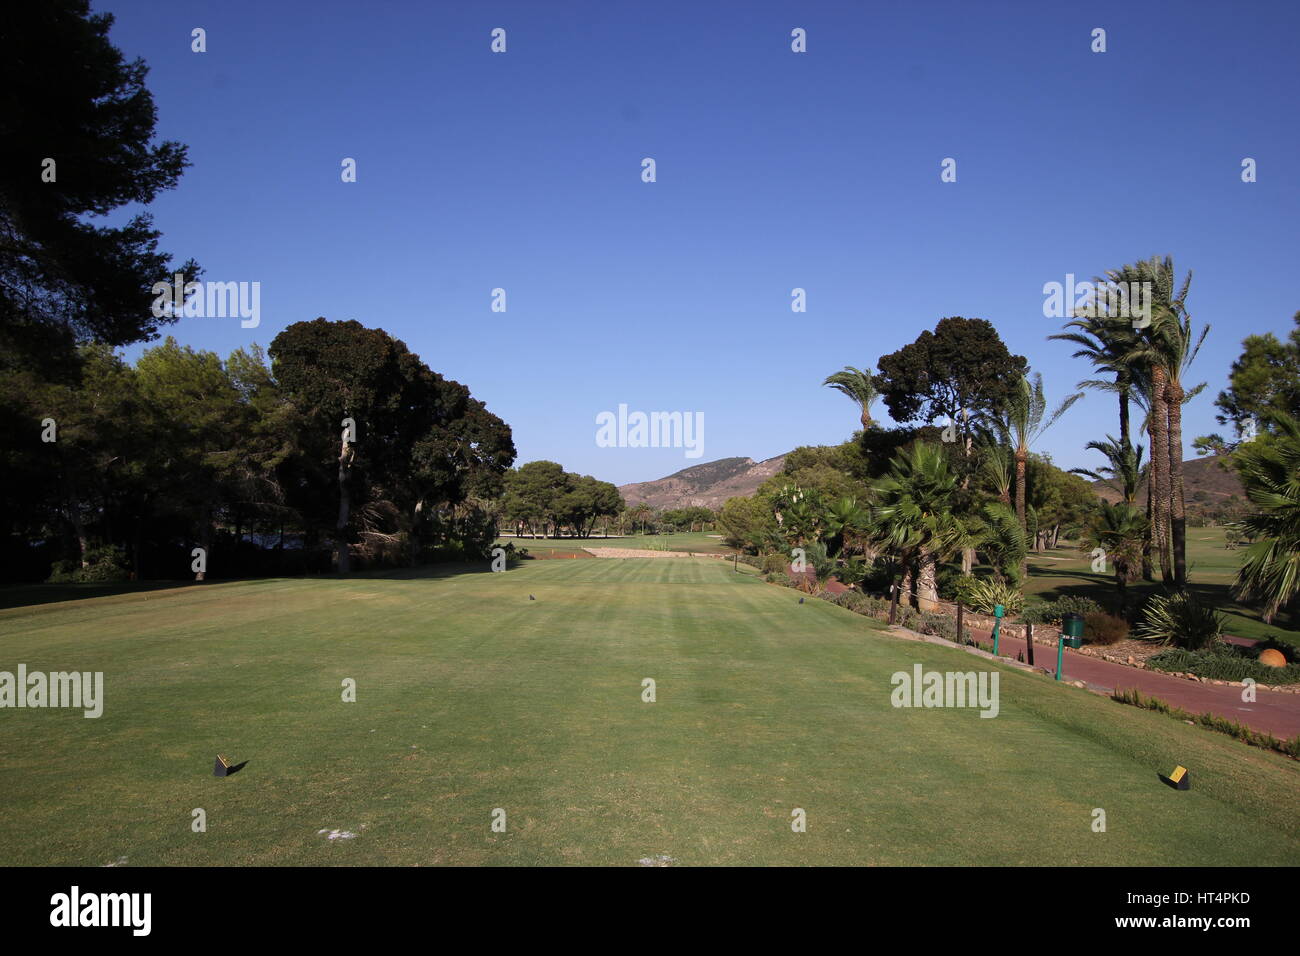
[[893, 604], [1029, 643]]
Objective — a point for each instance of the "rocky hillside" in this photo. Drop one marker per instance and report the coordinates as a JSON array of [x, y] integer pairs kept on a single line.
[[1209, 488], [708, 485]]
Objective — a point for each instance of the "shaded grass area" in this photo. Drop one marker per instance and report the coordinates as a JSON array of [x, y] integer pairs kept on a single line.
[[1212, 568], [472, 697]]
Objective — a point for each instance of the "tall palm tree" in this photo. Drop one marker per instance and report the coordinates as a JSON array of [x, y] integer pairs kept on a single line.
[[1270, 470], [1106, 341], [857, 385], [1168, 346], [1026, 421], [913, 517]]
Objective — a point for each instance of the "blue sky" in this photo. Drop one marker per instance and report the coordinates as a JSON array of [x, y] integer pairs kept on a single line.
[[775, 170]]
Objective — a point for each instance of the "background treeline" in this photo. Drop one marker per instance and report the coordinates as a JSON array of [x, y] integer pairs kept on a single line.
[[339, 447], [949, 504]]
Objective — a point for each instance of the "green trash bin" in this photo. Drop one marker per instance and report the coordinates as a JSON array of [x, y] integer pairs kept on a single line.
[[1072, 629]]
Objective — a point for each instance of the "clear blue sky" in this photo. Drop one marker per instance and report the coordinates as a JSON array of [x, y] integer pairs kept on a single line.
[[775, 170]]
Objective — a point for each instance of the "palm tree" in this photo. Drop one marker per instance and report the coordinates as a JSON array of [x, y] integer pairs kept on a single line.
[[1026, 421], [857, 385], [1004, 543], [997, 468], [913, 518], [1123, 472], [1168, 346], [1120, 531], [1270, 469], [842, 520], [1106, 341], [640, 512]]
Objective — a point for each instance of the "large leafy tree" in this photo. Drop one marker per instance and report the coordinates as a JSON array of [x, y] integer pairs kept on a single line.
[[393, 437], [962, 371], [68, 95], [1264, 381], [198, 420]]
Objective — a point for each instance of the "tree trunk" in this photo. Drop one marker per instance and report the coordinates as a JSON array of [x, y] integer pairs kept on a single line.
[[906, 586], [967, 560], [1177, 506], [1148, 571], [1123, 412], [927, 589], [1022, 455], [1160, 472], [345, 508]]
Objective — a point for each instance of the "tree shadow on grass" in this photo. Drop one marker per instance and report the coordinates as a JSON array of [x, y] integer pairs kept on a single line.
[[34, 595], [1101, 588], [30, 595]]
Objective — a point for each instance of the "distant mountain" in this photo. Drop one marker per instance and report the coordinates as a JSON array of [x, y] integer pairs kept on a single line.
[[708, 485], [1210, 488]]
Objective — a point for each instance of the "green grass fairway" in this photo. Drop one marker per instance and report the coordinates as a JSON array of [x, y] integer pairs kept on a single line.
[[1211, 570], [472, 697]]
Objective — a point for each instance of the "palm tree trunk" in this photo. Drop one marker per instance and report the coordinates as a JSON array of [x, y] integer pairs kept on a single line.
[[927, 588], [1160, 472], [1022, 454], [1124, 440], [1148, 572], [1177, 506]]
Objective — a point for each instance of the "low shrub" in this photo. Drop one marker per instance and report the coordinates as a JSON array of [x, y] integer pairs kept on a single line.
[[1225, 662], [102, 564], [1181, 620], [940, 625], [983, 594], [1102, 628], [1051, 612]]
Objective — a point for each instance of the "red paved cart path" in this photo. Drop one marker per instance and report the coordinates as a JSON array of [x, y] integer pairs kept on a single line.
[[1274, 712]]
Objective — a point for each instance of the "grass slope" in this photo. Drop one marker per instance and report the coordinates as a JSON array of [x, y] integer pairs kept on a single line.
[[472, 697]]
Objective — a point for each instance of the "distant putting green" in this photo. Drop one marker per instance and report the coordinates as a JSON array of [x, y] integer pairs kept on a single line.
[[698, 542], [471, 697]]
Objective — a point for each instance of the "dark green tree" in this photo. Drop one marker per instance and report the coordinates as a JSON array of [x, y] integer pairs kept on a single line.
[[68, 97], [962, 371]]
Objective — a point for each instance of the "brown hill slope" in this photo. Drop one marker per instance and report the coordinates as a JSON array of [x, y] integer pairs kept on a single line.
[[1209, 488], [708, 485]]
